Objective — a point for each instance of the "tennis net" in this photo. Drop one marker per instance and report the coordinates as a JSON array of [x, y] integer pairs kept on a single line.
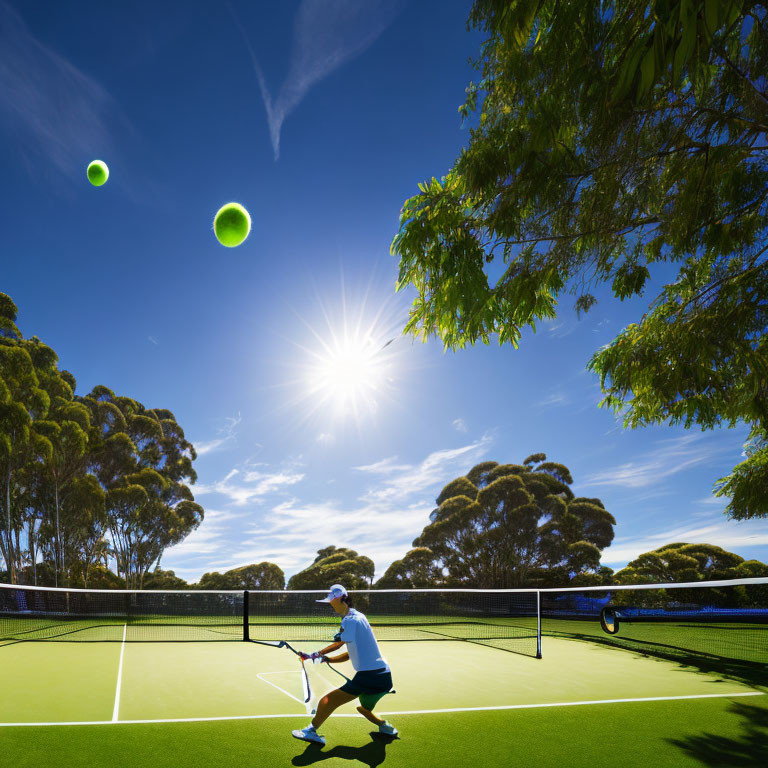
[[702, 623], [503, 617]]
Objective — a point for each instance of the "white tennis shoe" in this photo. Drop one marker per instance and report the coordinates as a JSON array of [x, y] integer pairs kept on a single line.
[[309, 734], [388, 729]]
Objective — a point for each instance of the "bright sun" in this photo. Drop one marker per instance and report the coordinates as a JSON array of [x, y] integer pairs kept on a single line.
[[351, 372], [350, 365]]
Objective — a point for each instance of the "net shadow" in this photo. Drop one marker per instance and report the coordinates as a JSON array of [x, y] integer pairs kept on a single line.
[[749, 673]]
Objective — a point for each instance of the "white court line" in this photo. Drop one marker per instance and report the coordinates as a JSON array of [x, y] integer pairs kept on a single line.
[[259, 675], [575, 703], [119, 677], [405, 712]]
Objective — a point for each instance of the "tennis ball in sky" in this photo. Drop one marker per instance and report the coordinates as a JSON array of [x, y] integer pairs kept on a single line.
[[98, 173], [232, 224]]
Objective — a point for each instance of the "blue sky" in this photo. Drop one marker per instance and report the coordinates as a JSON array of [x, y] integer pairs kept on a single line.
[[320, 116]]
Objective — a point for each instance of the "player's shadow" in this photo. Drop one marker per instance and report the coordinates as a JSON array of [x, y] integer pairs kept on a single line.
[[371, 754]]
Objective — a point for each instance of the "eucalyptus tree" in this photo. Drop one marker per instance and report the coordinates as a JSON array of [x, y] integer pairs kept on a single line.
[[157, 578], [263, 575], [335, 565], [73, 468], [418, 569], [8, 331], [610, 139], [514, 525], [84, 538], [680, 562], [9, 313], [22, 410], [143, 462], [67, 430]]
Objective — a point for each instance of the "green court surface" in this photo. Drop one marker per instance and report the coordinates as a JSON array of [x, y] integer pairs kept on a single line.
[[457, 703]]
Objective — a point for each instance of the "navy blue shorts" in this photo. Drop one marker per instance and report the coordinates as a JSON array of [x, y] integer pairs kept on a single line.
[[369, 682]]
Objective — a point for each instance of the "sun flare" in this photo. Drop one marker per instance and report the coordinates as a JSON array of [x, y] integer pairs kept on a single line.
[[350, 365], [350, 372]]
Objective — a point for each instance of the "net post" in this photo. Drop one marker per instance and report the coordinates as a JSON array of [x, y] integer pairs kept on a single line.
[[246, 635], [538, 624]]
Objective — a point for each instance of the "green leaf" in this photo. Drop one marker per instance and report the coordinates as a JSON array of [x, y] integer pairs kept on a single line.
[[688, 41], [658, 49], [647, 72], [627, 72], [711, 8], [678, 64]]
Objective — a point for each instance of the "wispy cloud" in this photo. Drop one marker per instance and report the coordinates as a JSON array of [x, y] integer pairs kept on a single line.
[[555, 399], [600, 324], [439, 467], [209, 537], [712, 501], [384, 467], [226, 434], [266, 482], [672, 457], [52, 107], [290, 533], [326, 34], [153, 340], [388, 510], [359, 528], [459, 425], [558, 329], [250, 486]]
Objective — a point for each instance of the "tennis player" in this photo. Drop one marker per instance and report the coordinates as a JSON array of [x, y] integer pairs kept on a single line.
[[372, 679]]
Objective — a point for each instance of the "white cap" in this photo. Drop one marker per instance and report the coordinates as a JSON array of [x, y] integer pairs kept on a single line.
[[335, 592]]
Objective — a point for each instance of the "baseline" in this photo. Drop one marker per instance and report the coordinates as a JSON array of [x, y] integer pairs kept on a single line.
[[402, 712]]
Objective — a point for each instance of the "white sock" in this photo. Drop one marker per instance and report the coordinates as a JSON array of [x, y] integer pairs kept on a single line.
[[311, 727]]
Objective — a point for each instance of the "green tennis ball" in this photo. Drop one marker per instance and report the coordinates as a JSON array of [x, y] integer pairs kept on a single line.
[[232, 224], [98, 173]]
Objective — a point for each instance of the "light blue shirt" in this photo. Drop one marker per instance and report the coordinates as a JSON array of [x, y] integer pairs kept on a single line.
[[362, 647]]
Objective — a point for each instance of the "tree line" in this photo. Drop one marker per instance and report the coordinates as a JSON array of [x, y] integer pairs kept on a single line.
[[498, 526], [84, 480]]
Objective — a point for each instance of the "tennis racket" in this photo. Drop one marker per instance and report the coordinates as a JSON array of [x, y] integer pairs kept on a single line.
[[306, 689], [275, 644]]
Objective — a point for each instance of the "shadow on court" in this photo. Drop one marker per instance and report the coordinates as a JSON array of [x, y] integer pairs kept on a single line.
[[752, 673], [750, 749], [371, 754]]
